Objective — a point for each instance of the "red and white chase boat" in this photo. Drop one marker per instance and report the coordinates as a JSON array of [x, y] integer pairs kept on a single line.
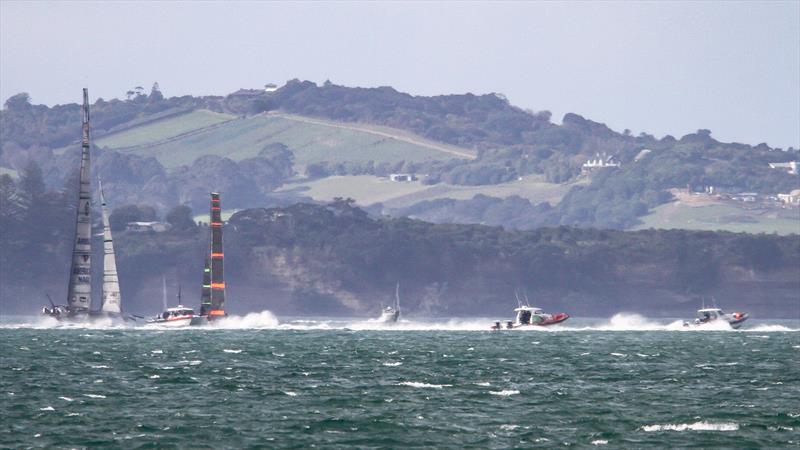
[[530, 316]]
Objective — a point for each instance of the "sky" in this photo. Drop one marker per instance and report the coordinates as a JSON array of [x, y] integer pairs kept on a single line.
[[655, 67]]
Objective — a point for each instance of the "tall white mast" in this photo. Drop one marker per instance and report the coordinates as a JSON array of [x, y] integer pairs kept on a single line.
[[79, 293]]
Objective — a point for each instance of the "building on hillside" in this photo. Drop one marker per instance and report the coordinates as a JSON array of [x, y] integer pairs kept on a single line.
[[147, 227], [790, 167], [270, 87], [600, 161], [790, 199], [402, 177], [747, 197], [701, 188]]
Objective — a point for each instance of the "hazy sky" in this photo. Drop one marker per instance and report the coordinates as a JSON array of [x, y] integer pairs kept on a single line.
[[661, 68]]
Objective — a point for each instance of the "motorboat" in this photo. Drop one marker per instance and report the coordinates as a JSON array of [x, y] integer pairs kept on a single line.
[[707, 316], [179, 316], [391, 314], [530, 316]]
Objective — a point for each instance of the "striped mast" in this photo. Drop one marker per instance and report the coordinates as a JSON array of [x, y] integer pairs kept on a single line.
[[205, 294], [217, 258], [112, 301], [79, 292]]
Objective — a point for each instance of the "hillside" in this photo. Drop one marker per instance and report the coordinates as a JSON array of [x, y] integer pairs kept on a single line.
[[475, 155]]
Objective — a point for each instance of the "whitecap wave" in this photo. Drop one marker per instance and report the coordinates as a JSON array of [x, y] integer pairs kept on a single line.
[[505, 392], [696, 426], [769, 329], [417, 384], [94, 395]]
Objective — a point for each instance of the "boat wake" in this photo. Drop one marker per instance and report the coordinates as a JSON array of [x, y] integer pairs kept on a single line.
[[266, 320], [263, 320]]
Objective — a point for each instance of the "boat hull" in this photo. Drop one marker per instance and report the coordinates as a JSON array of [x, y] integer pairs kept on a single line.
[[173, 322], [734, 320], [543, 322], [388, 318]]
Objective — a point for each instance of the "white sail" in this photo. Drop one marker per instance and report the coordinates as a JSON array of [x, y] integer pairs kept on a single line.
[[164, 291], [112, 302], [79, 293]]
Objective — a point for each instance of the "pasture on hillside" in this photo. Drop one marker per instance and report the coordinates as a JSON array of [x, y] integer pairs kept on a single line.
[[157, 131], [722, 217], [180, 140], [367, 190]]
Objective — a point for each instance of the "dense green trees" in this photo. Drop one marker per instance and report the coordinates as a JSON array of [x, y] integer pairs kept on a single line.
[[335, 257], [180, 217]]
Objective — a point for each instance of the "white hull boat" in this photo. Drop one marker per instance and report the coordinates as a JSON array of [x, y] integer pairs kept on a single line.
[[177, 317], [708, 316], [391, 314]]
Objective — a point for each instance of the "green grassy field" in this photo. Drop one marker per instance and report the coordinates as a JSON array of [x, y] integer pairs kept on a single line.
[[722, 217], [6, 171], [205, 218], [180, 140], [367, 190], [163, 129]]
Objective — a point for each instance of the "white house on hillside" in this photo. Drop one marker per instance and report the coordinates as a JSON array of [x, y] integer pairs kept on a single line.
[[600, 161]]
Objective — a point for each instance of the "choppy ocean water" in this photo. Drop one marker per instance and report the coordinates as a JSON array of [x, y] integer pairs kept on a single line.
[[624, 382]]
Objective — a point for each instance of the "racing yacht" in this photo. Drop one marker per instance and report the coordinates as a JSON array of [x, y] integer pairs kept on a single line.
[[79, 290]]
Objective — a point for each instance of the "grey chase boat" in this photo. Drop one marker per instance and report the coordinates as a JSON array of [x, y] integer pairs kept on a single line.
[[706, 316]]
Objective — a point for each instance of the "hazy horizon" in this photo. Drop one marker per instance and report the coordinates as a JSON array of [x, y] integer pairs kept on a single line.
[[658, 68]]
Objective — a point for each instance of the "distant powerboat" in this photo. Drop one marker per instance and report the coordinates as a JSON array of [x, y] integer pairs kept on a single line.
[[392, 314], [179, 316], [527, 315], [531, 316], [707, 316]]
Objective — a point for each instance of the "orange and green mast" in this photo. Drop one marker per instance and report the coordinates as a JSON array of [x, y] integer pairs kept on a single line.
[[217, 285]]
